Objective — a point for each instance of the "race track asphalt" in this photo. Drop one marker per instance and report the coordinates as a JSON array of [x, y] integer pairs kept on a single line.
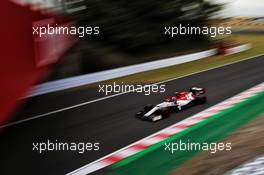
[[110, 122]]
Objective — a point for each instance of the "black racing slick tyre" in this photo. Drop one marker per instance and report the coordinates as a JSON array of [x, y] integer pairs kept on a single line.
[[201, 100], [163, 112]]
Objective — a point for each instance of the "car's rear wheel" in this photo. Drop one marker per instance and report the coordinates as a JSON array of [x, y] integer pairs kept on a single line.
[[201, 100]]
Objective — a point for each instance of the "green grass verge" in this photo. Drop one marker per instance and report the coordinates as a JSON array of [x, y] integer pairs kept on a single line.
[[156, 161]]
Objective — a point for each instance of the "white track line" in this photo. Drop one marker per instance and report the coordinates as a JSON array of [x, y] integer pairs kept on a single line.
[[111, 96], [127, 151]]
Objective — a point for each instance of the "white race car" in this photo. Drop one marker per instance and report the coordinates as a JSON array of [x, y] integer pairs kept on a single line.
[[180, 101]]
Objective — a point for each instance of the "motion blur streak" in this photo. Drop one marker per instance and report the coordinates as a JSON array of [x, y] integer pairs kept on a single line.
[[110, 122], [24, 58]]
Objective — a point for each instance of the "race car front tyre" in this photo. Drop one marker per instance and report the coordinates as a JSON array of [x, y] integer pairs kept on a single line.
[[163, 112]]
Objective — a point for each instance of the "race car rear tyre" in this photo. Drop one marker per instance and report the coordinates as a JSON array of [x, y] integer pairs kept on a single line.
[[201, 100]]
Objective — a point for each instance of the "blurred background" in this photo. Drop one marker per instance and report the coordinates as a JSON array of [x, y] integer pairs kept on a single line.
[[131, 33], [67, 108]]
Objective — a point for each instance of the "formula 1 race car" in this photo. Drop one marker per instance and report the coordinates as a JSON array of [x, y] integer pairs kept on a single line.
[[178, 102]]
